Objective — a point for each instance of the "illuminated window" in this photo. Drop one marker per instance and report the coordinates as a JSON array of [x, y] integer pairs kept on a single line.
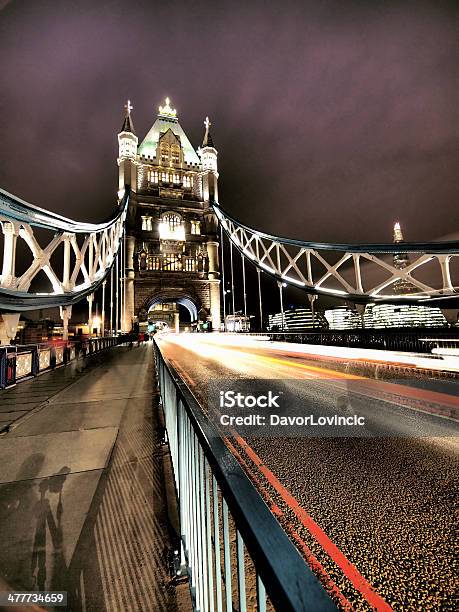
[[195, 227], [146, 224], [153, 176], [154, 262], [171, 227], [172, 263], [187, 181], [165, 177], [164, 153], [127, 148], [176, 178], [190, 264], [175, 152]]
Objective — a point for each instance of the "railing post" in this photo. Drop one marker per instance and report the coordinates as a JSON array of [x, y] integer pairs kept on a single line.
[[193, 514], [203, 542], [3, 362], [198, 534], [240, 572], [35, 361], [183, 493], [11, 356], [261, 595], [218, 571], [52, 358], [210, 573], [227, 558]]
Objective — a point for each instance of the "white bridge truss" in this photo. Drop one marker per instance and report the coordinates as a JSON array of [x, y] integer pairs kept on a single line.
[[360, 273], [86, 258]]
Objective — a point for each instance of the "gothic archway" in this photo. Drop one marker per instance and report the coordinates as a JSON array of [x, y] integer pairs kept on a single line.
[[190, 302]]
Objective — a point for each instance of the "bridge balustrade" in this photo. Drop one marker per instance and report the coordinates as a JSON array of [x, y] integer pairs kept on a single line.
[[18, 363], [400, 340], [214, 494]]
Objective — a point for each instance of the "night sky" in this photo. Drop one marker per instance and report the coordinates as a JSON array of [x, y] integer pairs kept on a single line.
[[332, 119]]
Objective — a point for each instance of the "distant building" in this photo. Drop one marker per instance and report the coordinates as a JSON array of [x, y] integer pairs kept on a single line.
[[296, 319], [383, 316], [343, 317], [379, 316], [237, 323], [401, 261]]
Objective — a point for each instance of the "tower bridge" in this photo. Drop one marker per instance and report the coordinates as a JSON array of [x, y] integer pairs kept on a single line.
[[166, 238], [274, 520]]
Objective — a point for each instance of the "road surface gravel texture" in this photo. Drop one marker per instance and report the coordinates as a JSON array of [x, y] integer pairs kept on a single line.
[[375, 516]]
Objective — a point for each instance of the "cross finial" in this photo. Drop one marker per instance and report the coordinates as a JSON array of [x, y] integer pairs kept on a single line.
[[207, 123], [128, 106], [166, 110]]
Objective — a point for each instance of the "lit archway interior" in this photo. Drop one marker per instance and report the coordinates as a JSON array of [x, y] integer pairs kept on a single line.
[[181, 301]]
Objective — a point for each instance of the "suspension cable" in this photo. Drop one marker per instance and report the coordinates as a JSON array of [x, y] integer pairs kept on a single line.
[[243, 284], [232, 277], [222, 237]]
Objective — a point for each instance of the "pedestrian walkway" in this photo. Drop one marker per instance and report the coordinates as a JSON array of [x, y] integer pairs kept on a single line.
[[82, 488], [29, 395]]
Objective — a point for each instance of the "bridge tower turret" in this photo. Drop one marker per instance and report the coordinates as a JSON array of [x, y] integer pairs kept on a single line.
[[208, 154], [127, 151]]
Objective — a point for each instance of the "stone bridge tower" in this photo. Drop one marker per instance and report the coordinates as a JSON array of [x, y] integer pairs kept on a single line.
[[171, 235]]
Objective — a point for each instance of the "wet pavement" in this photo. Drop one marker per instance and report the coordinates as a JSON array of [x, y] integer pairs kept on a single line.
[[82, 498]]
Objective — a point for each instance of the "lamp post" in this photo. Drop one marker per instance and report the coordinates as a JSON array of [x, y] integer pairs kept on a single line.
[[223, 276], [259, 299], [111, 301], [232, 278], [243, 282], [281, 286], [103, 308], [90, 299]]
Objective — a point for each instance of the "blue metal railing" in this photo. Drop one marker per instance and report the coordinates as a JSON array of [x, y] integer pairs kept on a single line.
[[222, 516], [18, 363], [418, 340]]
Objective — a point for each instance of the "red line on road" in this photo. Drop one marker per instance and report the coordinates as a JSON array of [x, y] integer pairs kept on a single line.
[[317, 567], [348, 569]]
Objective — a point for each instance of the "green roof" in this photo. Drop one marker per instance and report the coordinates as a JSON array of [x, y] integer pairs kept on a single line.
[[149, 144]]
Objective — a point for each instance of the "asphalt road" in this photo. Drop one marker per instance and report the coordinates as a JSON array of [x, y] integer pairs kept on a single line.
[[375, 515]]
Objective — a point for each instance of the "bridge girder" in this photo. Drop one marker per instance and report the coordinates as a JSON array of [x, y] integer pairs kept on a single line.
[[89, 251], [350, 275]]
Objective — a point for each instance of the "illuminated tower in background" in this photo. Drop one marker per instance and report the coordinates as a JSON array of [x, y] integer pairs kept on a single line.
[[401, 261], [172, 262]]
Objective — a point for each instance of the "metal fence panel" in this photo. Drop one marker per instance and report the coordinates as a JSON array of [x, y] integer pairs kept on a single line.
[[205, 471]]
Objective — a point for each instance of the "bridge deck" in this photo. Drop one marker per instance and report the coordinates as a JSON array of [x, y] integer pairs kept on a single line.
[[82, 494]]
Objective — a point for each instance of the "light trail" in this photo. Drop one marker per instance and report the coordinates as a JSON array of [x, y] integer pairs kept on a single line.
[[403, 359], [394, 393]]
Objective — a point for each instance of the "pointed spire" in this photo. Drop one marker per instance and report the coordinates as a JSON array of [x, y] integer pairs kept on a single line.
[[128, 125], [398, 234], [208, 142]]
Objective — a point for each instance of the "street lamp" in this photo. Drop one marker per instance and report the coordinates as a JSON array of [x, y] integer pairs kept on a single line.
[[281, 286], [259, 299]]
